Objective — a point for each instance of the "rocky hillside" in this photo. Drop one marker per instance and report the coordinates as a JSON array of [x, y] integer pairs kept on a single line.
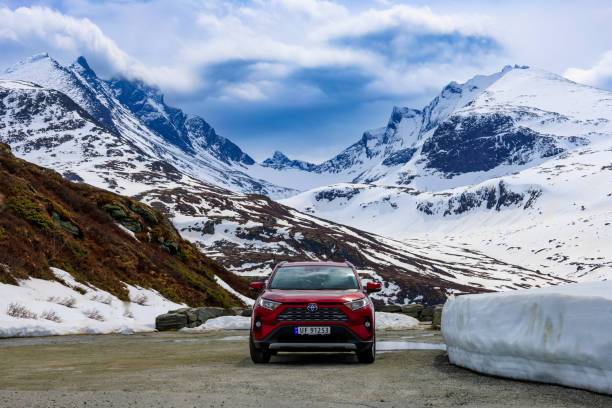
[[100, 238]]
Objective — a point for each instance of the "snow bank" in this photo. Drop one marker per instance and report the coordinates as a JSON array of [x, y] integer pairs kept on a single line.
[[40, 297], [246, 300], [395, 321], [560, 335], [222, 323]]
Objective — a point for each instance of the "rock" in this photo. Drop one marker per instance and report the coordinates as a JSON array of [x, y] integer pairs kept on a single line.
[[412, 310], [192, 315], [171, 321], [427, 314], [145, 213], [181, 310], [131, 224], [209, 227], [237, 311], [391, 308], [170, 246], [115, 211], [205, 313], [247, 312], [437, 317], [65, 225]]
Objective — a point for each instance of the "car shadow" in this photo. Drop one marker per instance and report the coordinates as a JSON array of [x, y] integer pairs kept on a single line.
[[303, 359], [313, 358]]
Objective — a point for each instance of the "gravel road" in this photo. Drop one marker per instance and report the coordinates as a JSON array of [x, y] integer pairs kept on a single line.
[[214, 370]]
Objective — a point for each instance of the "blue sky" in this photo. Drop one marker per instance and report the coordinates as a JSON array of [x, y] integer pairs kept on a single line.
[[307, 76]]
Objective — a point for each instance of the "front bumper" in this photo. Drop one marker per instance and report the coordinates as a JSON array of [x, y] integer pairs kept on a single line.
[[341, 338]]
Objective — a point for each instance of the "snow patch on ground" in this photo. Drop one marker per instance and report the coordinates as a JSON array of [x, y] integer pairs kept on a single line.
[[560, 335], [222, 323], [407, 345], [246, 300], [94, 312], [395, 321]]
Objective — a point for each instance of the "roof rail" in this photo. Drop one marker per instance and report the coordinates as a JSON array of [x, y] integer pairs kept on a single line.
[[350, 264]]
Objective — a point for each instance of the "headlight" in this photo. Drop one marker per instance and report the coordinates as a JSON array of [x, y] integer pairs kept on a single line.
[[357, 304], [267, 304]]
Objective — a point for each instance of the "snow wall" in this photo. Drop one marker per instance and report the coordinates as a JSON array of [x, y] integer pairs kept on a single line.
[[560, 334]]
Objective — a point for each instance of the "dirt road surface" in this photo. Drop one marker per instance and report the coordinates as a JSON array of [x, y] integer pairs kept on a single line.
[[214, 370]]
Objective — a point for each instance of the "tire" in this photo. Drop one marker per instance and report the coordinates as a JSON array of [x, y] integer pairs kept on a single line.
[[258, 356], [368, 355]]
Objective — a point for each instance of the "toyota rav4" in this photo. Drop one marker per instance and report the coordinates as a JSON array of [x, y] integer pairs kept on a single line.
[[313, 306]]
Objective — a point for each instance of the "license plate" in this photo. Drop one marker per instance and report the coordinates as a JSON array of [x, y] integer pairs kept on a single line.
[[312, 330]]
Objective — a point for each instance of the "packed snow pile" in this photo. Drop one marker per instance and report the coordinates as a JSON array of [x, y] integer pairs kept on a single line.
[[395, 321], [46, 308], [559, 334], [222, 323]]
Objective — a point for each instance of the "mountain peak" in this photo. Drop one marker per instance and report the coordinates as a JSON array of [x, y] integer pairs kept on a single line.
[[31, 61], [278, 155], [280, 161], [37, 57], [81, 65]]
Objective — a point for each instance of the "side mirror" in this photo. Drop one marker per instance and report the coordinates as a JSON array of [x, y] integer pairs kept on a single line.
[[372, 287], [256, 286]]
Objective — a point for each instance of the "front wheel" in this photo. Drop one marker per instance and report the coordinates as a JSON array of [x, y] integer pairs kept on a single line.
[[258, 356], [368, 355]]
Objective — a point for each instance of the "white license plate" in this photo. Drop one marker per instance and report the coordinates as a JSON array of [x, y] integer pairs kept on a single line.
[[312, 330]]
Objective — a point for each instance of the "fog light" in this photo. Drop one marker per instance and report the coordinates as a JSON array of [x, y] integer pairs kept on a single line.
[[367, 324], [257, 324]]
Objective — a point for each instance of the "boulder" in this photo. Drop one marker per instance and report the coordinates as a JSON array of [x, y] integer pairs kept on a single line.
[[437, 316], [181, 310], [427, 314], [390, 308], [412, 310], [171, 321], [247, 312], [205, 313], [192, 315]]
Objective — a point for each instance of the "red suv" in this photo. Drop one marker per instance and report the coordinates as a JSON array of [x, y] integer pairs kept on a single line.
[[313, 306]]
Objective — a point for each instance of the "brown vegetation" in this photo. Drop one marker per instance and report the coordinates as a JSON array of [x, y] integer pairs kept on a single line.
[[48, 221]]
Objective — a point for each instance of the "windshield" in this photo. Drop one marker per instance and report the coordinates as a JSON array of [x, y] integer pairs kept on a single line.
[[314, 277]]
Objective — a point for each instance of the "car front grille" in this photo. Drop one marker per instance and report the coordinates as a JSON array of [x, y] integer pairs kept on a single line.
[[323, 314]]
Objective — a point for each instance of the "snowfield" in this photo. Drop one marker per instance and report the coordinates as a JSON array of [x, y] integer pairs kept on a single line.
[[395, 321], [95, 312], [560, 335]]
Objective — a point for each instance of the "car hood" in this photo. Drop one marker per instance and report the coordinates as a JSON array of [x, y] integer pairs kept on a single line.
[[315, 296]]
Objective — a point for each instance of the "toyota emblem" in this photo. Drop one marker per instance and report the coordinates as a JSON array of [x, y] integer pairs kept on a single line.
[[312, 307]]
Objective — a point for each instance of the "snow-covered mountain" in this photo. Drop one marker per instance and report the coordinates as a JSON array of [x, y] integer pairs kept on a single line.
[[138, 114], [516, 164], [246, 233]]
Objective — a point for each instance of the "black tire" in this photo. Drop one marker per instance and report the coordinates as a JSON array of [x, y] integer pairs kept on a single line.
[[368, 355], [258, 356]]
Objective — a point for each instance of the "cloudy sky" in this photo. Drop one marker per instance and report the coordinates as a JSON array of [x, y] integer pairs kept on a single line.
[[306, 76]]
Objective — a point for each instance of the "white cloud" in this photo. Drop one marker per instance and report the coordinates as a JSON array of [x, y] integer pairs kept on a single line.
[[81, 36], [598, 75], [277, 37]]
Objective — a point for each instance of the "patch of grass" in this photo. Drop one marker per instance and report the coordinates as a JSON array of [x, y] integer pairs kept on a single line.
[[2, 234], [31, 212], [170, 295]]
